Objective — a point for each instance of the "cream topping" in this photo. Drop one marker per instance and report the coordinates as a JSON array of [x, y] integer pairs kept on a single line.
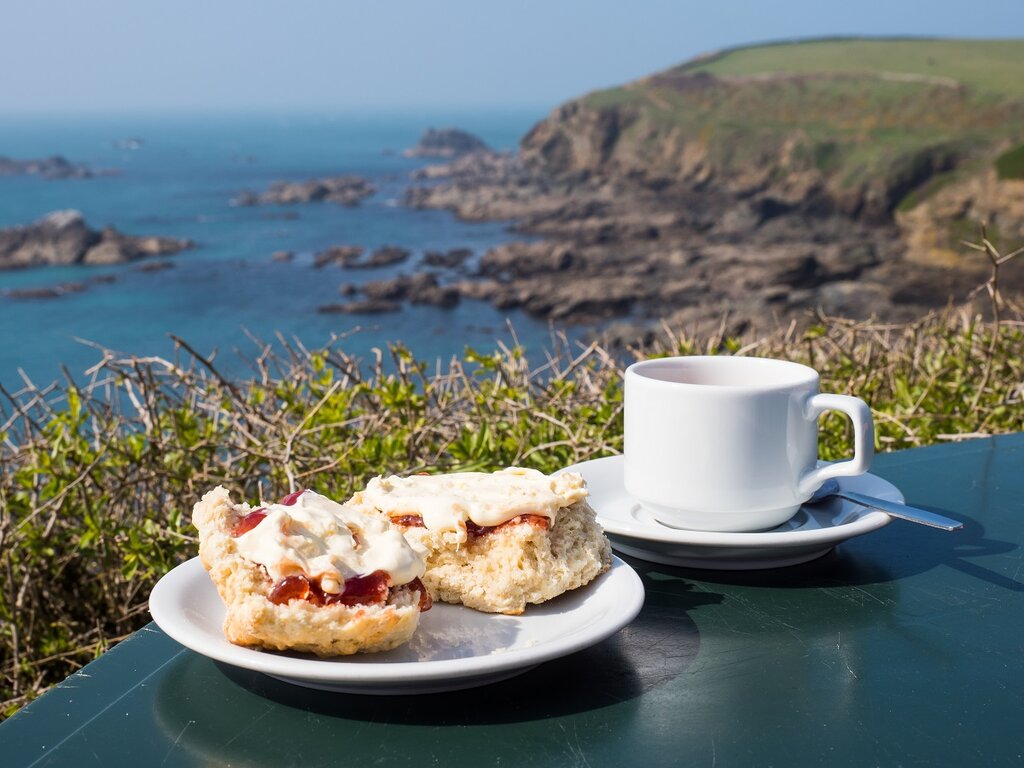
[[332, 542], [446, 502]]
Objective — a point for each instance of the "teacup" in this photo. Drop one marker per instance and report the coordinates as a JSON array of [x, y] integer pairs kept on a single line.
[[731, 443]]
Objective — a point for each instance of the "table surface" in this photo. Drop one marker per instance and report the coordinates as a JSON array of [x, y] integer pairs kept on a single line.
[[901, 647]]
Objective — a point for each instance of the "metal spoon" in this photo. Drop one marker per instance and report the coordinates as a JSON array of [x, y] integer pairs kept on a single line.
[[902, 511]]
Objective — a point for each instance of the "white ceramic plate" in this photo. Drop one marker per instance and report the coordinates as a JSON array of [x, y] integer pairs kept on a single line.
[[453, 648], [809, 534]]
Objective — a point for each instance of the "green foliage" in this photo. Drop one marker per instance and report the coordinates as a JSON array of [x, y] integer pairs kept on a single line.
[[97, 479], [1010, 164], [990, 66]]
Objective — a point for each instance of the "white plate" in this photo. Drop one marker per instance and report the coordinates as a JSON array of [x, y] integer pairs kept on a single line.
[[453, 648], [811, 533]]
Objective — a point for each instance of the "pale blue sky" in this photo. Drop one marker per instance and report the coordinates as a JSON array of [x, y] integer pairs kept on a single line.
[[73, 55]]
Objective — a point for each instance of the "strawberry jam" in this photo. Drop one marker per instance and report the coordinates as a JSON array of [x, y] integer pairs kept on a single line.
[[249, 521], [290, 588], [291, 498], [425, 601], [371, 589]]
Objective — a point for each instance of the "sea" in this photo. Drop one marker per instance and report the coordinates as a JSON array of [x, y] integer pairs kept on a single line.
[[176, 175]]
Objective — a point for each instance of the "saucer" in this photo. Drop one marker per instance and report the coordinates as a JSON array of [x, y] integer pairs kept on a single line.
[[812, 532]]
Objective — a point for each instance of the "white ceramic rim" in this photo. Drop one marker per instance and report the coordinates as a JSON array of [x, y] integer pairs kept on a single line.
[[808, 378]]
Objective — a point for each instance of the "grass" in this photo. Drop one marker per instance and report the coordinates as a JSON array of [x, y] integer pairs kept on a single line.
[[988, 66], [1010, 164], [869, 118]]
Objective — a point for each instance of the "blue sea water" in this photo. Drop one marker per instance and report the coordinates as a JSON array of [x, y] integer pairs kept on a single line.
[[180, 183]]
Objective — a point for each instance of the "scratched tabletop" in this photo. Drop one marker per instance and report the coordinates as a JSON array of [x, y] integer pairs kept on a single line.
[[902, 647]]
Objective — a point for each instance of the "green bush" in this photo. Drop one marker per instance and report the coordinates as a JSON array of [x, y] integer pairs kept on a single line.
[[97, 477], [1010, 164]]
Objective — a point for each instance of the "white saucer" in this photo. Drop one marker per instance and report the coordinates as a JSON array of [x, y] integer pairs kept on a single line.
[[809, 534], [453, 648]]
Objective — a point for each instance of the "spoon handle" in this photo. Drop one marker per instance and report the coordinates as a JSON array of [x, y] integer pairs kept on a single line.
[[902, 511]]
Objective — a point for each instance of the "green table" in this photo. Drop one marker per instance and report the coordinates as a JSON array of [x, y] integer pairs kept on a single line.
[[902, 647]]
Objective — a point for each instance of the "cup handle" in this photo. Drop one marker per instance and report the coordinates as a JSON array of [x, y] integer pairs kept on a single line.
[[863, 440]]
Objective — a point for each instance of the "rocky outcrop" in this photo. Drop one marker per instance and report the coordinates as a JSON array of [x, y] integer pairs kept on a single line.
[[453, 258], [690, 197], [385, 256], [346, 190], [367, 307], [342, 255], [351, 257], [52, 167], [422, 288], [446, 142], [62, 238]]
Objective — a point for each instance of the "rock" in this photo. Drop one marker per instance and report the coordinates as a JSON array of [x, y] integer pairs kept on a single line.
[[384, 256], [62, 237], [50, 292], [445, 142], [421, 288], [450, 259], [399, 288], [53, 167], [445, 297], [156, 266], [347, 190], [282, 256], [348, 289], [367, 307], [482, 290], [525, 259], [343, 255]]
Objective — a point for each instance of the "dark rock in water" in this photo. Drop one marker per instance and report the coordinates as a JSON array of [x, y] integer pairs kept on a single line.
[[49, 292], [156, 266], [348, 289], [343, 255], [399, 288], [282, 256], [367, 307], [446, 142], [481, 290], [53, 167], [442, 296], [524, 259], [384, 256], [62, 237], [103, 279], [421, 288], [450, 259], [347, 190]]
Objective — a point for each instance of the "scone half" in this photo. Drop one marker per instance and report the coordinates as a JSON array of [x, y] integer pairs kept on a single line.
[[309, 574], [495, 542]]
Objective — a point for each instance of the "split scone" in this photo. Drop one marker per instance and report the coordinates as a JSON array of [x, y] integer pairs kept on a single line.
[[309, 574], [495, 542]]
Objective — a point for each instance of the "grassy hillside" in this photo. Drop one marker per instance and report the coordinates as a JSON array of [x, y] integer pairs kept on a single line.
[[861, 123], [992, 66]]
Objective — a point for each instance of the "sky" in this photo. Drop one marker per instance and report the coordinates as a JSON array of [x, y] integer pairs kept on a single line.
[[224, 55]]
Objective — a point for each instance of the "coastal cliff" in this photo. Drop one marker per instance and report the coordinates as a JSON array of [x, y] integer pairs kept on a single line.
[[761, 182]]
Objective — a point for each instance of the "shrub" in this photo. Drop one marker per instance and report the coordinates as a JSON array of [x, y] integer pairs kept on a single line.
[[97, 476]]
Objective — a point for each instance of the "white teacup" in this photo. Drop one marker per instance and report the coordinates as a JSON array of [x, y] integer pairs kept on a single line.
[[731, 443]]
